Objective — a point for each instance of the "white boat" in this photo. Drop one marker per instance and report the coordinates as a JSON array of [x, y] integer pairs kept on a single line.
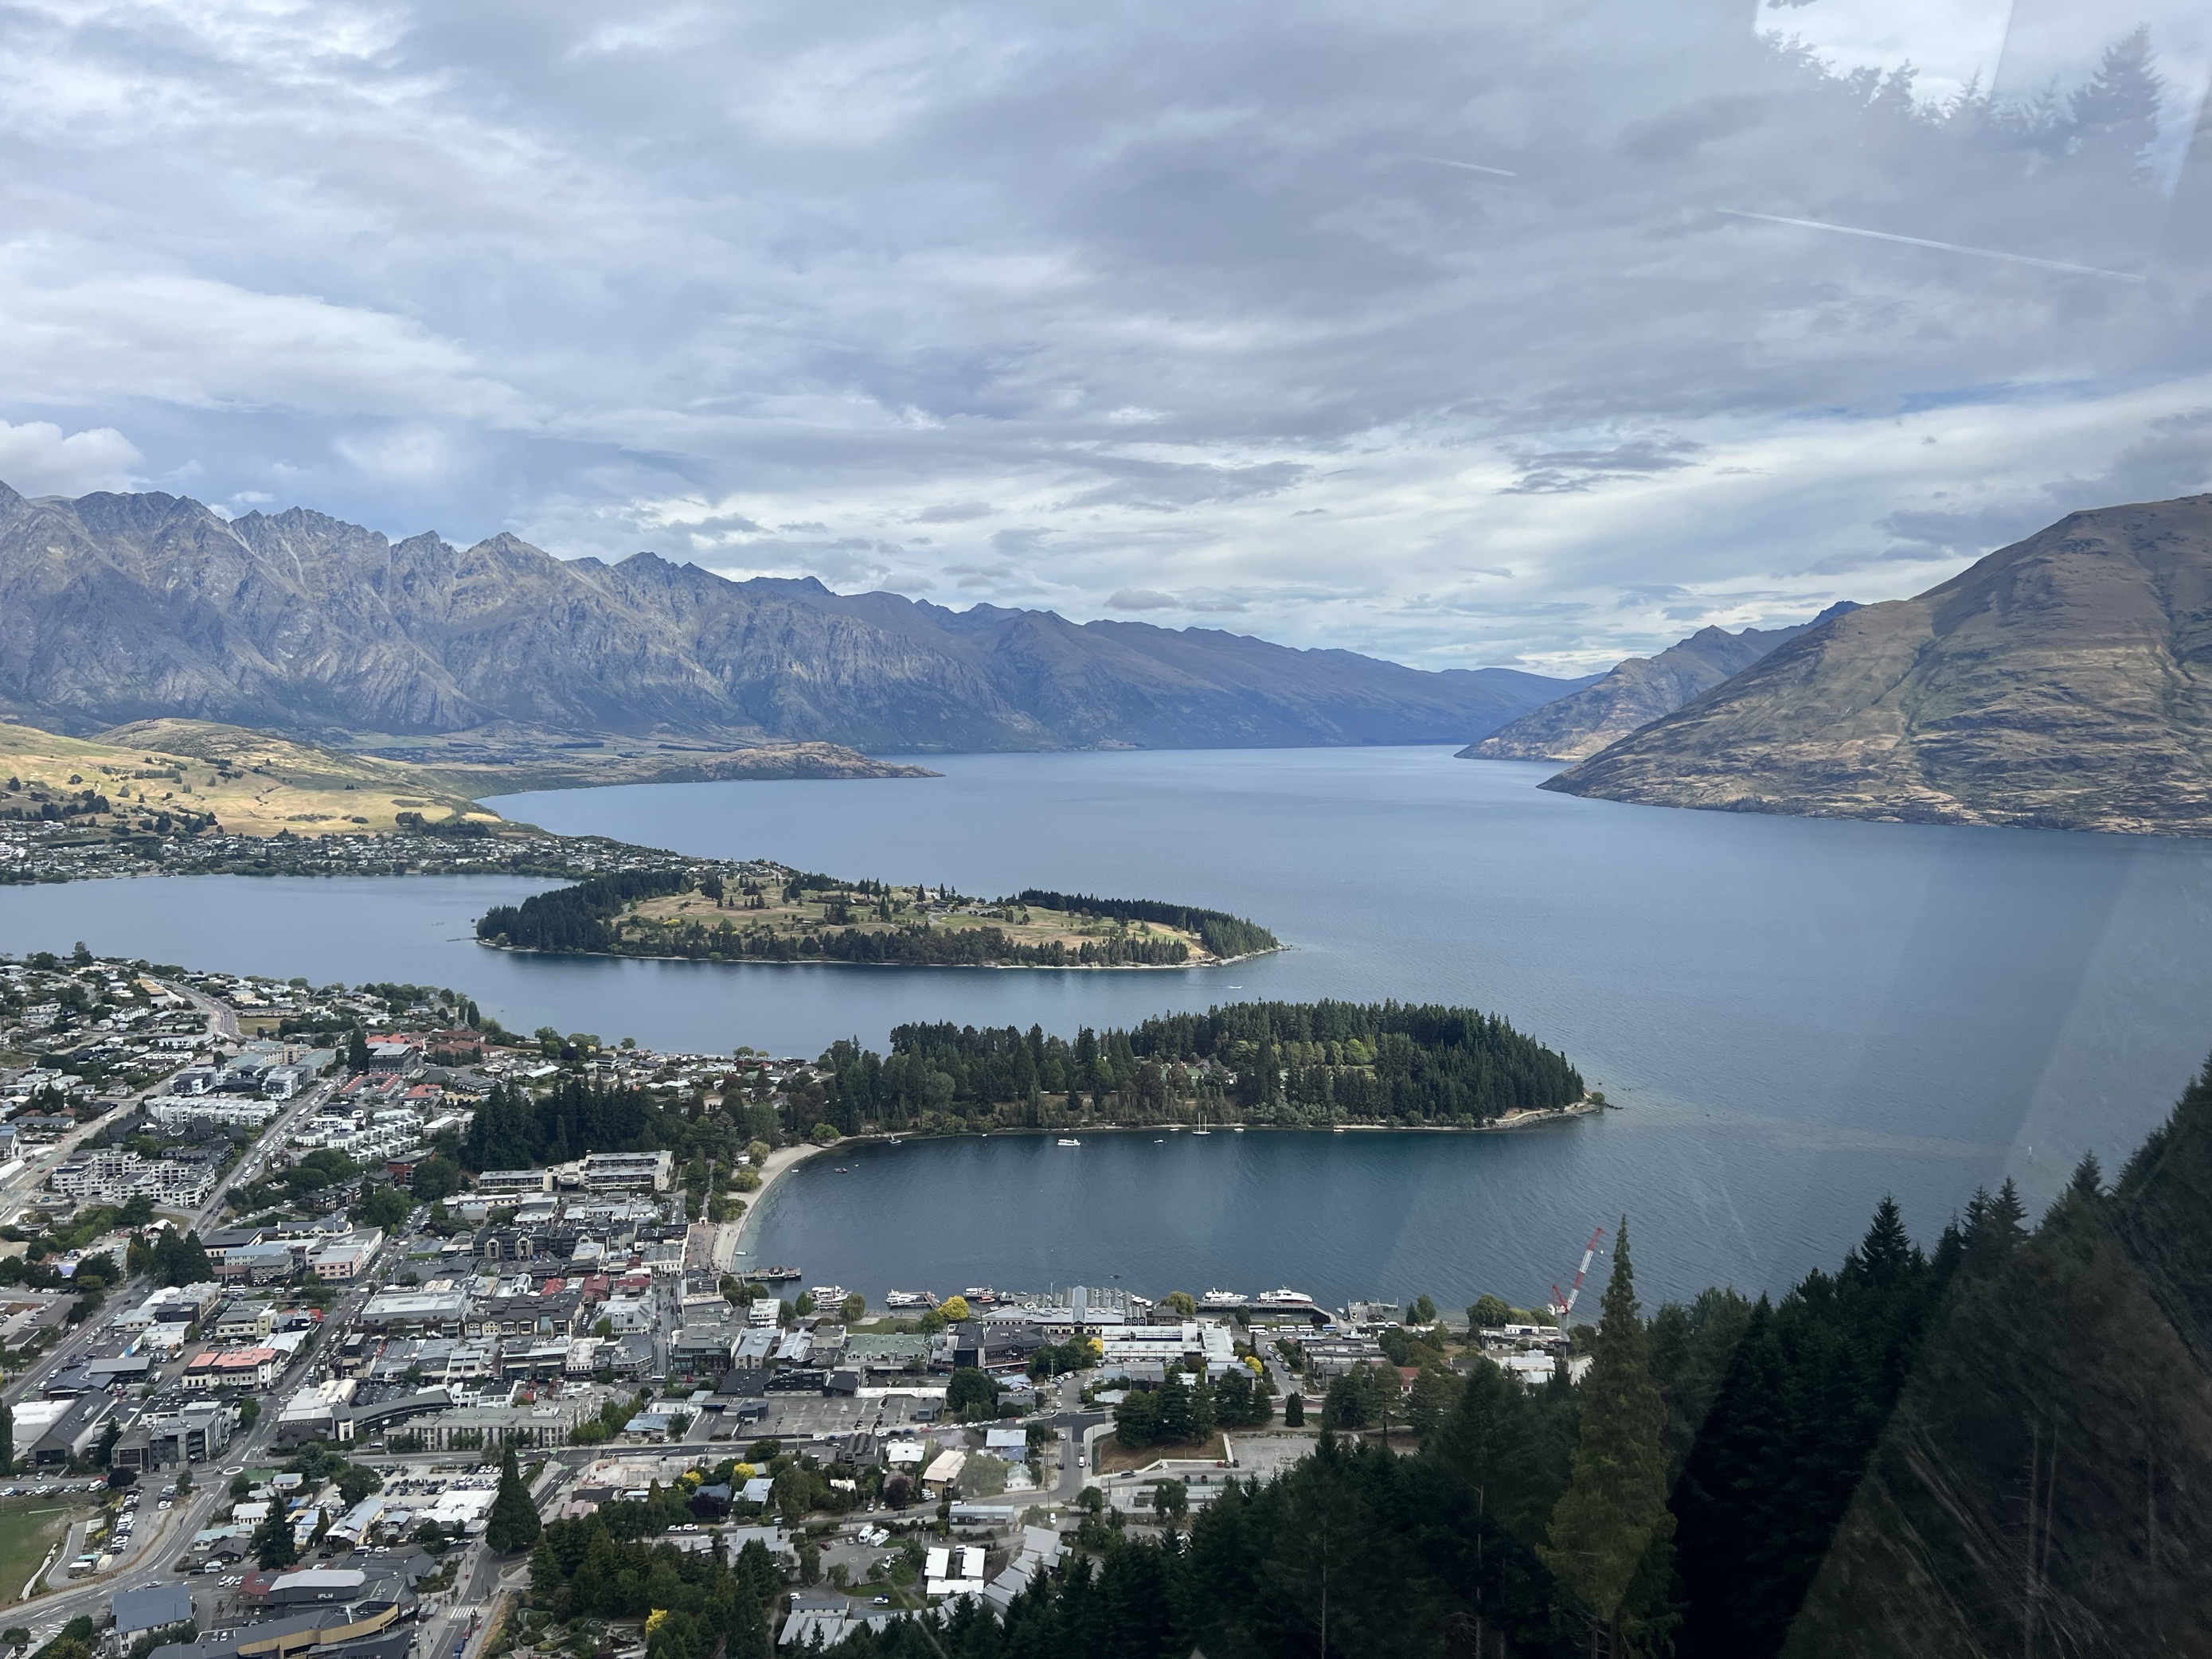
[[827, 1296], [1236, 1129], [980, 1296], [1069, 1141], [1283, 1299], [1223, 1299], [906, 1298]]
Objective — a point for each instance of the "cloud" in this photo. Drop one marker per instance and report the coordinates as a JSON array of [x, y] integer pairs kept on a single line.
[[38, 459], [1560, 471], [1123, 306]]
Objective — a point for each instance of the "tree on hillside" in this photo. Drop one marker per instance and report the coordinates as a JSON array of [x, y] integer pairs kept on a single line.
[[513, 1524], [1611, 1526]]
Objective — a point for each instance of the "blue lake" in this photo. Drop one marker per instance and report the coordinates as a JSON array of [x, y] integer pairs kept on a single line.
[[1798, 1016]]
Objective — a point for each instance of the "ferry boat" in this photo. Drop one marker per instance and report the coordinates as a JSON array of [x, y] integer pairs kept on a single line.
[[773, 1275], [1069, 1141], [827, 1296], [1283, 1299], [906, 1298], [1223, 1299]]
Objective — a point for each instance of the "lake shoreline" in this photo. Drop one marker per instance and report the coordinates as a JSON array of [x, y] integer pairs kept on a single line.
[[940, 967], [1521, 1119]]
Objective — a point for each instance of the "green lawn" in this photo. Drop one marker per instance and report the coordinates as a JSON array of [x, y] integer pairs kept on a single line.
[[29, 1527]]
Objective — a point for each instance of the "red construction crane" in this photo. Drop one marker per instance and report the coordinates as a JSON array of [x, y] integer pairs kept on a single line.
[[1563, 1305]]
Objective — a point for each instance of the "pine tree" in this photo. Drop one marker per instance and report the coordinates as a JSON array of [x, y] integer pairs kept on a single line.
[[1614, 1509], [272, 1540], [513, 1523]]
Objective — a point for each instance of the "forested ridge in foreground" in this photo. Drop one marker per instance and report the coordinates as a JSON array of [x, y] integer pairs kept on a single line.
[[1289, 1064], [2001, 1447], [723, 913]]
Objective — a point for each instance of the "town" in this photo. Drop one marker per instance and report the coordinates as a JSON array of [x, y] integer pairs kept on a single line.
[[302, 1369]]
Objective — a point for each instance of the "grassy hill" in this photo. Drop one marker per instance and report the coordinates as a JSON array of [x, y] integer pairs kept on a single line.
[[251, 783]]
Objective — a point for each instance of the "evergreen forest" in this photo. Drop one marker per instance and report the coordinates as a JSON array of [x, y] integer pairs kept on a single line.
[[1270, 1063]]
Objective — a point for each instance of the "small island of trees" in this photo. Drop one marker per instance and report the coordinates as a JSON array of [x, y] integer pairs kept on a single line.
[[766, 913], [1291, 1065]]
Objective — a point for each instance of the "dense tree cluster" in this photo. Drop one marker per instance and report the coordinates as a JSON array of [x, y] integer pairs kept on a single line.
[[695, 1605], [1220, 931], [913, 945], [575, 918], [1291, 1064], [1186, 1408]]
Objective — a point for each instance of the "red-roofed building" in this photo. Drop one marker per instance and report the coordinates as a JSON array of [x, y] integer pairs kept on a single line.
[[234, 1368]]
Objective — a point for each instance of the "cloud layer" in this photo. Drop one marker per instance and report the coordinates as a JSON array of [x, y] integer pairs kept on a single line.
[[1454, 337]]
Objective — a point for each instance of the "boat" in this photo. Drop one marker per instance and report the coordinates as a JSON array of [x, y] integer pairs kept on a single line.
[[1236, 1129], [1201, 1131], [1174, 1129], [906, 1298], [1069, 1141], [1223, 1299], [827, 1296], [772, 1275], [1283, 1299], [980, 1296]]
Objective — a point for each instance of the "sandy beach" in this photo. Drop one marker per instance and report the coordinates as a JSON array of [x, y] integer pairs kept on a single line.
[[734, 1233]]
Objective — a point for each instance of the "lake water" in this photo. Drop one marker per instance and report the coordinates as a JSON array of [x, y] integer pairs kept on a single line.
[[1797, 1015]]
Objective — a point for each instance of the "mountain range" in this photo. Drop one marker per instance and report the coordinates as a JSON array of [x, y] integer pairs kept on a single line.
[[2064, 681], [116, 608], [1637, 691]]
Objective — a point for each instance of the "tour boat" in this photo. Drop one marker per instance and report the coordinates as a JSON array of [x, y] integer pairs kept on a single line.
[[1223, 1299], [1069, 1141], [906, 1298], [1284, 1298]]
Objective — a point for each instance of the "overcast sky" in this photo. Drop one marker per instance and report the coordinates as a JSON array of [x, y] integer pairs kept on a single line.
[[1460, 333]]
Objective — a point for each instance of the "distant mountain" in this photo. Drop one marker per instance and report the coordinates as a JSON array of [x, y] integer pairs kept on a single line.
[[2064, 681], [122, 607], [1635, 693]]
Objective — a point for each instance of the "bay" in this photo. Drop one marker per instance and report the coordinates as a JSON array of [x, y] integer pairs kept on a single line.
[[1796, 1015]]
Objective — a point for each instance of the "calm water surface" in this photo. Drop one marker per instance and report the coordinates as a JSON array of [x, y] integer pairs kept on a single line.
[[1798, 1015]]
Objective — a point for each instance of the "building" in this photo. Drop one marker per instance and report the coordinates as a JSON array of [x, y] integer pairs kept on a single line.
[[506, 1182], [155, 1608], [74, 1433], [234, 1368], [185, 1434], [346, 1258], [244, 1321], [114, 1177], [616, 1172], [395, 1059], [181, 1109], [443, 1313]]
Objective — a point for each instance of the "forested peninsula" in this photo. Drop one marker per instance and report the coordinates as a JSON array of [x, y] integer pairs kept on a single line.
[[758, 912], [1274, 1064]]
